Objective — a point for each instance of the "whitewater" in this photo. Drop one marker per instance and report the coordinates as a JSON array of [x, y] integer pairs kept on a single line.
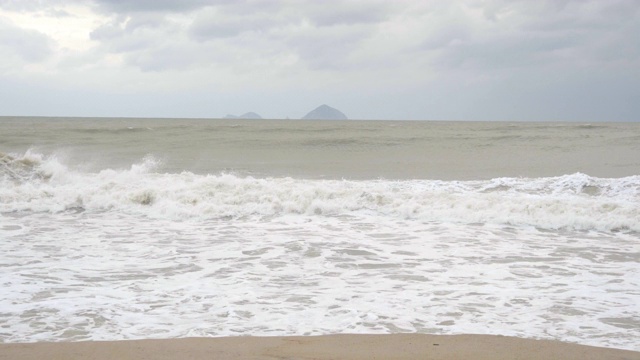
[[283, 228]]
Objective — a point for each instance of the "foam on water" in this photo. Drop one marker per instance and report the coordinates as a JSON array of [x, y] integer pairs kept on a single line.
[[577, 201], [131, 253]]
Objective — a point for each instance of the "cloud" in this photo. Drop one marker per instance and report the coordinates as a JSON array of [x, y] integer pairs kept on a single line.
[[211, 23], [57, 13], [503, 52], [350, 13], [437, 53], [132, 6], [123, 34], [327, 48], [239, 34], [29, 46], [231, 19], [503, 35], [29, 5]]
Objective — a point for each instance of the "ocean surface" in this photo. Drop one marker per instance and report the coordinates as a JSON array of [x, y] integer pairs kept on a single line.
[[158, 228]]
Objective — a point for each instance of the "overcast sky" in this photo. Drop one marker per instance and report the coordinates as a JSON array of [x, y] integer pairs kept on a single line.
[[413, 59]]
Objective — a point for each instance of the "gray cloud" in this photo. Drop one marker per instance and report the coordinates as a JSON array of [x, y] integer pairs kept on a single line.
[[350, 13], [30, 5], [57, 13], [448, 35], [230, 19], [539, 33], [328, 48], [29, 45], [464, 59], [504, 52], [122, 26], [127, 6], [213, 24], [137, 33], [150, 41], [321, 36], [164, 57]]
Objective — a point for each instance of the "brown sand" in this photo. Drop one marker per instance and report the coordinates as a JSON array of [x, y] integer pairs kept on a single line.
[[398, 346]]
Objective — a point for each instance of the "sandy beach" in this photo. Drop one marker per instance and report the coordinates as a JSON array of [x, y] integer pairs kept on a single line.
[[397, 346]]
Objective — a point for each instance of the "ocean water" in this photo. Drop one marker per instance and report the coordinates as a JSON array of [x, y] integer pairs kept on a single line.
[[157, 228]]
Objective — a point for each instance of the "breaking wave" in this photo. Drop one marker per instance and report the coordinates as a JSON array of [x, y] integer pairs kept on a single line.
[[32, 182]]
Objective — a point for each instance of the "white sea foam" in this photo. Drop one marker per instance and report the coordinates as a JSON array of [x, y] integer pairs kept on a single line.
[[38, 184], [135, 253], [108, 276]]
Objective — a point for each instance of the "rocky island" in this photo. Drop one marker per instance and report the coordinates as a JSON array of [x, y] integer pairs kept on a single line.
[[325, 112], [249, 115]]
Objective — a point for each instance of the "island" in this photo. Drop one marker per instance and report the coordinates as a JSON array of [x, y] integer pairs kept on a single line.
[[249, 115], [325, 112]]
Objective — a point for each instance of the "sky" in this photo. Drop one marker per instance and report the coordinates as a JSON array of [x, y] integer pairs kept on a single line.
[[529, 60]]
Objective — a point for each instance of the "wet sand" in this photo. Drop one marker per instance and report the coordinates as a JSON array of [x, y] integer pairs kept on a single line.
[[397, 346]]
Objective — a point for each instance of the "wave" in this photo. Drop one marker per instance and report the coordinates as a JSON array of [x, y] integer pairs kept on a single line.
[[113, 131], [36, 183], [21, 168]]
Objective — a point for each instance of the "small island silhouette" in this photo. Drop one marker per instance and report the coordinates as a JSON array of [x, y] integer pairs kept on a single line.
[[325, 112], [249, 115], [322, 112]]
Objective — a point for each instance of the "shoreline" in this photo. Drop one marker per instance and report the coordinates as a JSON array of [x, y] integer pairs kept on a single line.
[[342, 346]]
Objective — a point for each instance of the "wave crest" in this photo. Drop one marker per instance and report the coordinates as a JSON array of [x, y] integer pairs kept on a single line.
[[34, 183]]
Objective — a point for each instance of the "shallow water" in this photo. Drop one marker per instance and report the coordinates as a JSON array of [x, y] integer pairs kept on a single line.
[[108, 232]]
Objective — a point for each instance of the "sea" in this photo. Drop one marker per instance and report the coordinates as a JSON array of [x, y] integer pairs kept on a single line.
[[117, 228]]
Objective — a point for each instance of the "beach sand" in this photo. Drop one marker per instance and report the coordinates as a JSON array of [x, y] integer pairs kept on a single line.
[[397, 346]]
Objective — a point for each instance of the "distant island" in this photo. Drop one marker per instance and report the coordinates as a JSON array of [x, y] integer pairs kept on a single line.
[[325, 112], [249, 115], [322, 112]]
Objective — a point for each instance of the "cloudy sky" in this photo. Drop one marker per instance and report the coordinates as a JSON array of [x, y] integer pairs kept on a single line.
[[412, 59]]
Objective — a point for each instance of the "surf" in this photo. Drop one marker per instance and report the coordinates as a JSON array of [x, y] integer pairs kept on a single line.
[[34, 182]]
